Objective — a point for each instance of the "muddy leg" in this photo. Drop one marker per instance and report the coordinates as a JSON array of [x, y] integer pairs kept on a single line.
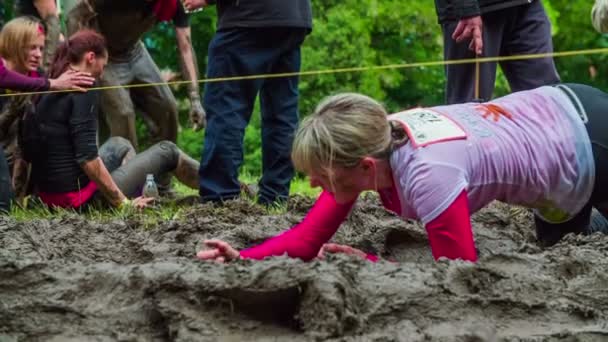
[[157, 102], [158, 105], [160, 160], [116, 104], [187, 170], [116, 152], [53, 30]]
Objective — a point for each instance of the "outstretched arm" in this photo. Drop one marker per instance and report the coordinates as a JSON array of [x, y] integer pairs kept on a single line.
[[305, 239], [302, 241], [15, 81]]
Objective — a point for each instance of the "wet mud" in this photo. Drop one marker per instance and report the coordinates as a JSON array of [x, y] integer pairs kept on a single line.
[[71, 279]]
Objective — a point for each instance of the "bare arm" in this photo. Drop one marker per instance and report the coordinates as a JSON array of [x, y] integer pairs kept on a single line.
[[188, 58], [98, 173], [45, 8], [190, 73]]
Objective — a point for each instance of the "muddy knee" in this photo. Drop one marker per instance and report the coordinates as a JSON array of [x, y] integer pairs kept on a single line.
[[115, 152], [168, 152], [120, 144]]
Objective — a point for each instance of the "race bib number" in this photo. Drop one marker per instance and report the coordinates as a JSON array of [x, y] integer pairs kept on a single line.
[[424, 126]]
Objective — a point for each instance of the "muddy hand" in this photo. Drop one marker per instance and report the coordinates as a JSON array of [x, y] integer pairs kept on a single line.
[[219, 251], [197, 114], [142, 202], [192, 5], [72, 79], [335, 248], [470, 28]]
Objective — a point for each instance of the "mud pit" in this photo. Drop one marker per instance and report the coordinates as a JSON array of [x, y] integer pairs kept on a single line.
[[75, 280]]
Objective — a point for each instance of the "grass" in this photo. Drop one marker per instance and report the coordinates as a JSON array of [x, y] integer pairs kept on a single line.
[[148, 217]]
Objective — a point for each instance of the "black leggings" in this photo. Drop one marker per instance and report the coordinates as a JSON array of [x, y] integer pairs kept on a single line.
[[595, 104], [6, 189], [160, 159]]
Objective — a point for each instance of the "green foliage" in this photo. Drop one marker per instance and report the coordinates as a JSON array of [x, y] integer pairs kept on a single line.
[[360, 33], [573, 21]]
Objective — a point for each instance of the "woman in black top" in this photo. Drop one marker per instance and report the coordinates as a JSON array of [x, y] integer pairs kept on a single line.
[[60, 139]]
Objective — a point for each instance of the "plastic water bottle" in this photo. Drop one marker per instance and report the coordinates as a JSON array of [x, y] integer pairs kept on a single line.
[[150, 188]]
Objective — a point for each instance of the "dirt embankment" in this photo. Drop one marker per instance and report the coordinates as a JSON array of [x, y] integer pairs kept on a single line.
[[75, 280]]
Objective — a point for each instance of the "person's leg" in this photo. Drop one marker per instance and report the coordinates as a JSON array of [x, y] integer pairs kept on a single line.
[[160, 159], [279, 105], [51, 42], [595, 104], [115, 103], [461, 78], [157, 102], [6, 191], [549, 234], [229, 105], [528, 32], [115, 152]]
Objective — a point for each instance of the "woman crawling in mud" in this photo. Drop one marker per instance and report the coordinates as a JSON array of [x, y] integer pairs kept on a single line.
[[59, 138], [546, 149]]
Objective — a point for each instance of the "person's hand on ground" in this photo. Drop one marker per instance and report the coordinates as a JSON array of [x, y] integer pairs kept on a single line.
[[191, 5], [198, 117], [72, 80], [141, 202], [218, 251], [470, 29], [336, 248]]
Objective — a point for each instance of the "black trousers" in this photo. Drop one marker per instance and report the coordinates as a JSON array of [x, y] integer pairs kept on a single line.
[[595, 104], [518, 30], [6, 190]]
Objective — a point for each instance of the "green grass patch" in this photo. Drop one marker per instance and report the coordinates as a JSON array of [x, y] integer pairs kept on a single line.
[[149, 217]]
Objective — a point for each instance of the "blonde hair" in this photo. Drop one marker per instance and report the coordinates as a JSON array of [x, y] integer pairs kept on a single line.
[[344, 129], [599, 16], [15, 37]]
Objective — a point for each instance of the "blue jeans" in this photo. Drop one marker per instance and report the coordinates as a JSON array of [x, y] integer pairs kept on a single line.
[[229, 105]]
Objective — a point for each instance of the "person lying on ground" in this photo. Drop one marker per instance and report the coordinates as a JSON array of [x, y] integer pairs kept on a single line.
[[545, 148], [59, 138]]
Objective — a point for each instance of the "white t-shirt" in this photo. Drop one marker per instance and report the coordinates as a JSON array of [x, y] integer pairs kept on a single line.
[[538, 155]]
